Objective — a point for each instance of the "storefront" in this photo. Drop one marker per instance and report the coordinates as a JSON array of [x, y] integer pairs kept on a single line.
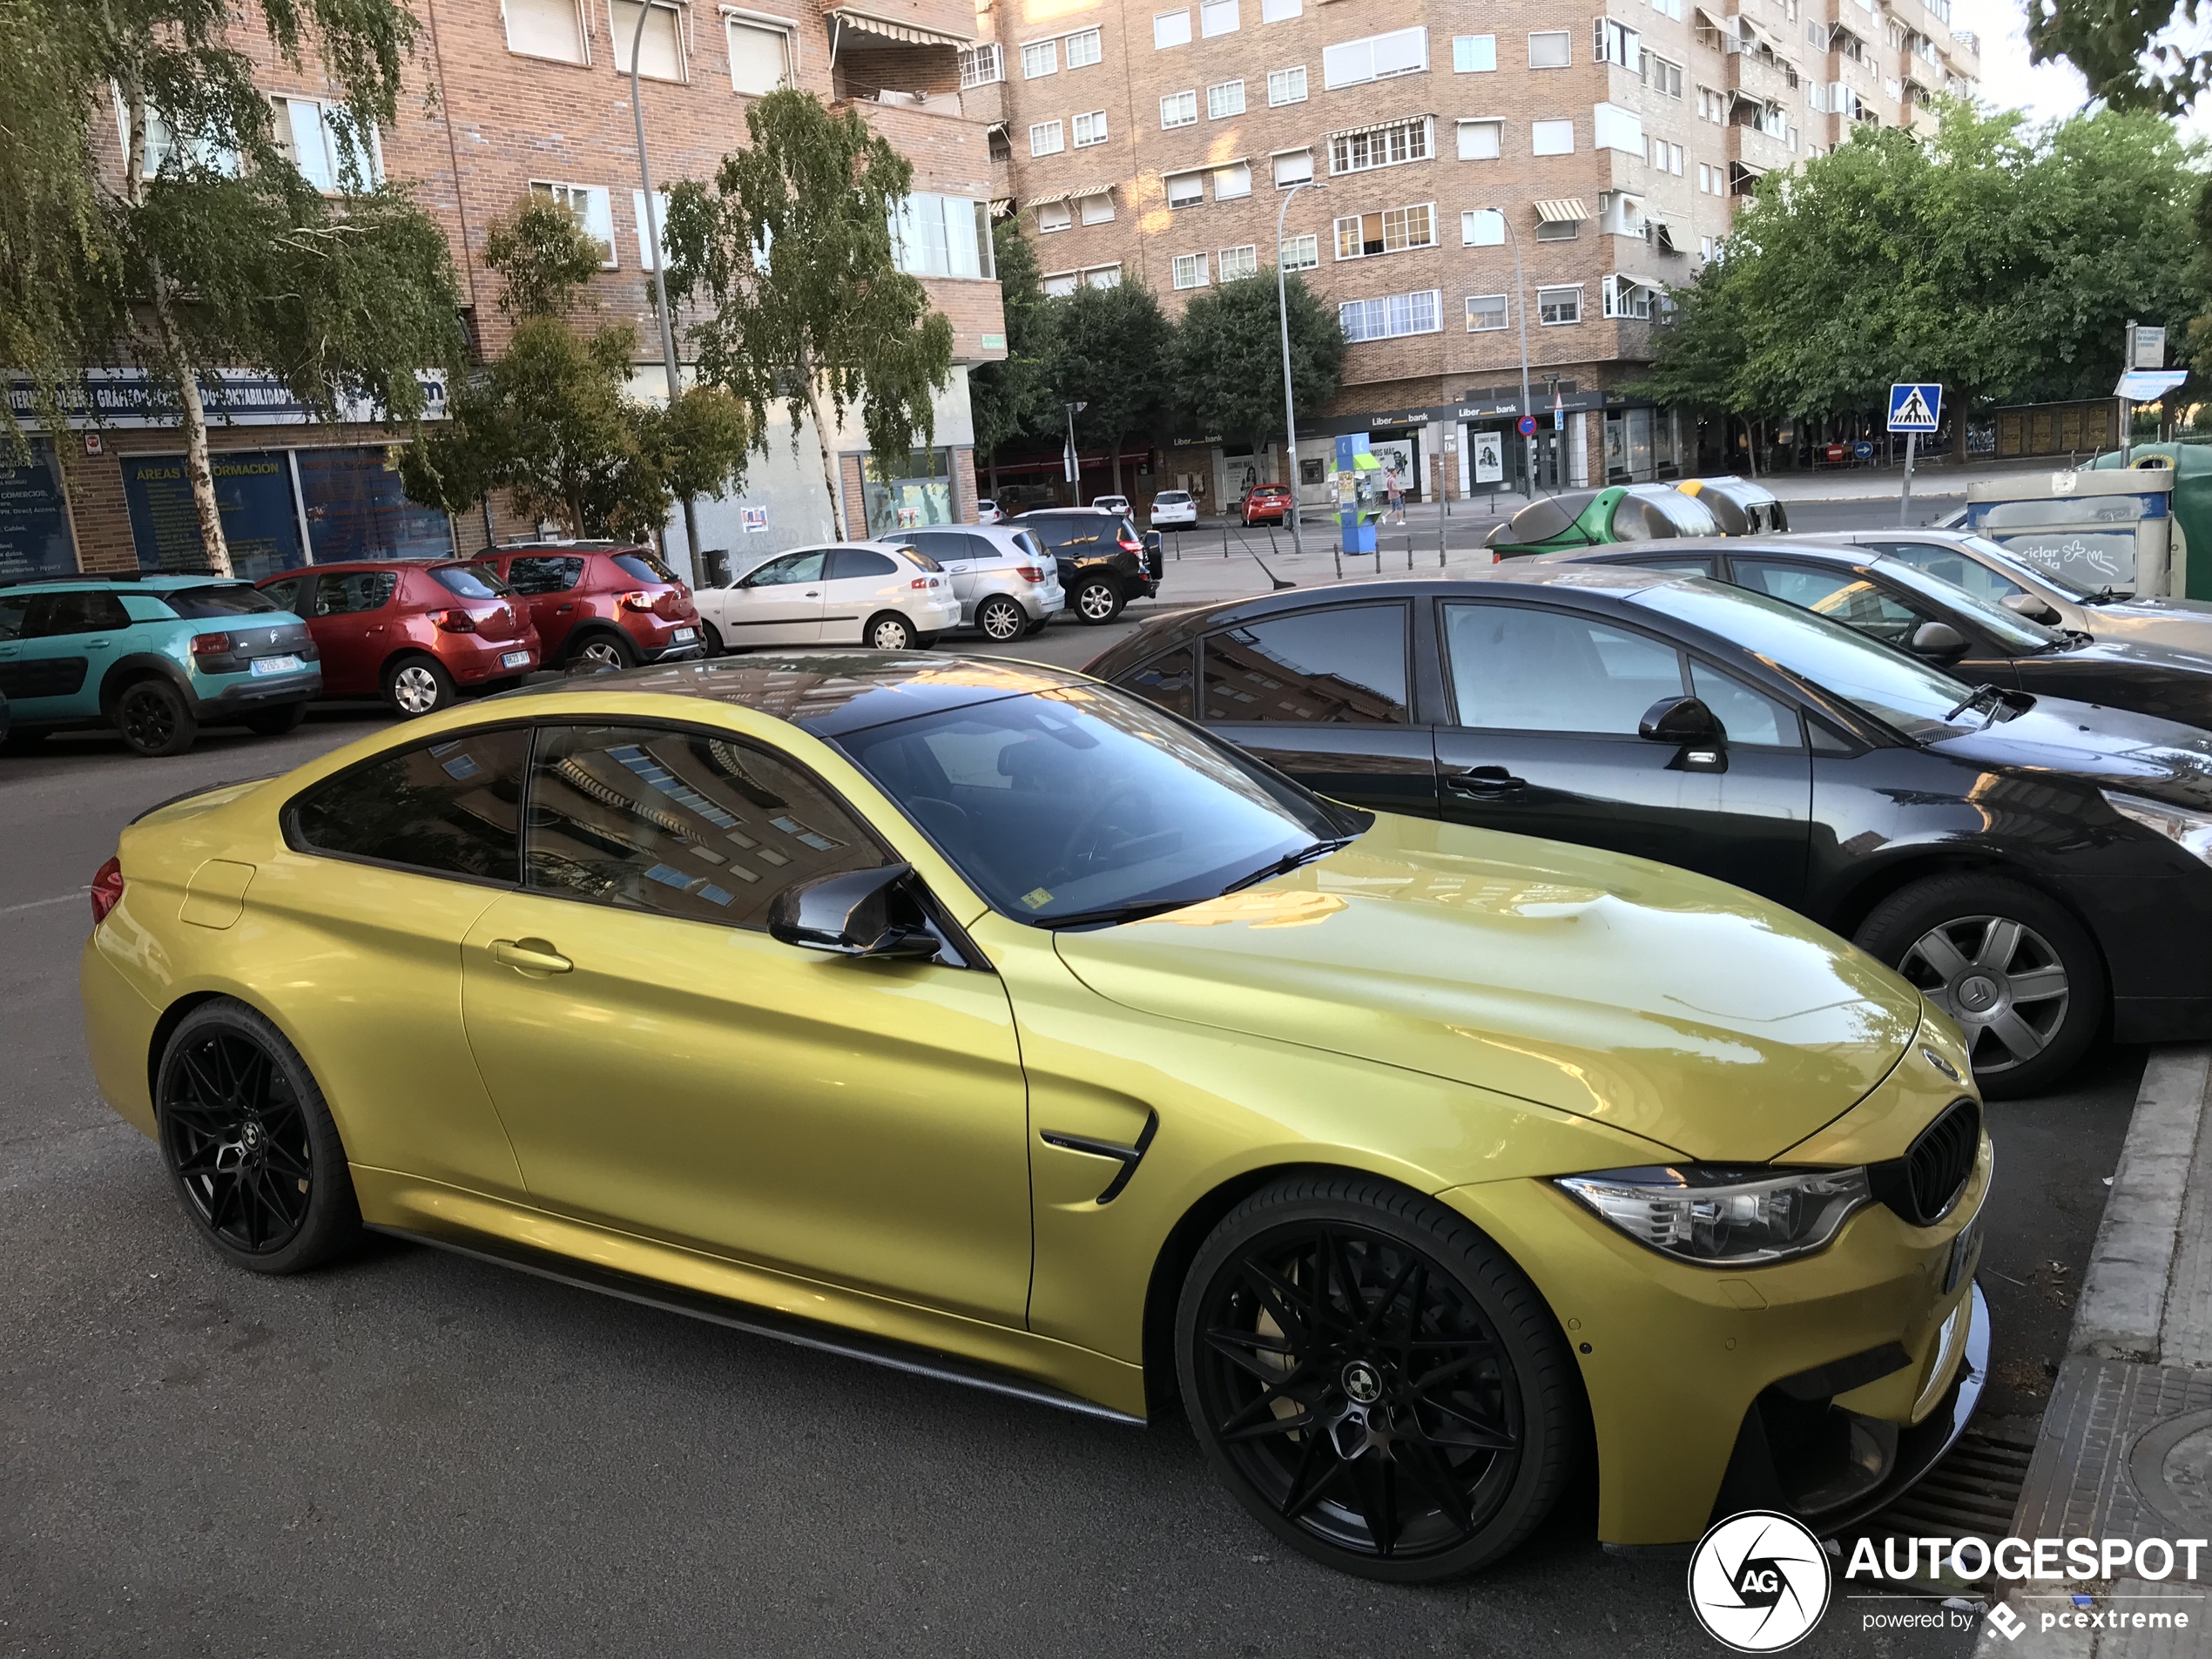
[[35, 538]]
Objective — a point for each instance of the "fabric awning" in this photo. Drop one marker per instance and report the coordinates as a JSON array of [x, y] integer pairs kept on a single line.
[[1663, 236], [1294, 150], [844, 18], [1372, 126], [1074, 193], [1562, 210], [1630, 279]]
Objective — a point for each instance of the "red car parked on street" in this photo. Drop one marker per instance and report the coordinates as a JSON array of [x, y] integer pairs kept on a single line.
[[599, 604], [1266, 504], [416, 633]]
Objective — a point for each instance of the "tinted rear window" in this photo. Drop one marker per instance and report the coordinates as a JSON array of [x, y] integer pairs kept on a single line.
[[231, 599], [446, 808], [642, 567], [468, 584]]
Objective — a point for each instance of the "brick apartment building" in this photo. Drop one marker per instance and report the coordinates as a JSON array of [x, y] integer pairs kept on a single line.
[[1156, 140], [507, 97]]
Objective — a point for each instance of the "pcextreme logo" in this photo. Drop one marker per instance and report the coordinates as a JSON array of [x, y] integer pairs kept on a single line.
[[1758, 1581]]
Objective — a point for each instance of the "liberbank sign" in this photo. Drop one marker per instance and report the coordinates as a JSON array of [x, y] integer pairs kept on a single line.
[[130, 397]]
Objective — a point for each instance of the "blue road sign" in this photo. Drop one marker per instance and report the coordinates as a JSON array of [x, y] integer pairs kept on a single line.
[[1526, 426], [1915, 407], [1864, 448]]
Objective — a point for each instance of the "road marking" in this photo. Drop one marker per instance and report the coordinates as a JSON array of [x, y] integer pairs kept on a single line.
[[41, 904]]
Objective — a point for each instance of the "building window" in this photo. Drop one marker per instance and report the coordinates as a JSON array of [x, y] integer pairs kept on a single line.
[[1090, 129], [1239, 262], [1178, 110], [1481, 140], [1482, 227], [1545, 137], [1383, 146], [1391, 231], [1613, 128], [1286, 85], [318, 137], [1301, 252], [1551, 49], [1391, 317], [1190, 270], [1663, 78], [1486, 313], [1473, 54], [1085, 49], [1186, 189], [660, 53], [546, 29], [589, 205], [760, 57], [1059, 285], [1040, 58], [651, 252], [1232, 181], [1046, 139], [950, 236], [1170, 29], [1558, 230], [1217, 16], [1103, 276], [1615, 43], [1558, 305], [1280, 10], [1054, 216], [1666, 157], [1295, 167], [981, 65], [1403, 51], [1225, 98]]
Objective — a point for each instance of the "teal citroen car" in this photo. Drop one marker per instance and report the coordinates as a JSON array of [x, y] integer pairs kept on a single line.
[[155, 656]]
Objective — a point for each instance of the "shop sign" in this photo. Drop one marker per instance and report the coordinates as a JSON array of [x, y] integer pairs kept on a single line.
[[129, 397]]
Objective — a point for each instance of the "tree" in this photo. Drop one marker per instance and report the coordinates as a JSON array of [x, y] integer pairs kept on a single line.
[[1229, 355], [550, 420], [791, 247], [209, 250], [1110, 353], [1015, 398], [2127, 49]]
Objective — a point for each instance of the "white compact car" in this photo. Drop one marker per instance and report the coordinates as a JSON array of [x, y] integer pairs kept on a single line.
[[1006, 583], [989, 512], [1174, 510], [1111, 503], [883, 595]]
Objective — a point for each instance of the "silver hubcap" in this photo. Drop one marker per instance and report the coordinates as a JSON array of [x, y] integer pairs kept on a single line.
[[599, 655], [1001, 622], [414, 689], [2000, 979], [889, 635], [1097, 603]]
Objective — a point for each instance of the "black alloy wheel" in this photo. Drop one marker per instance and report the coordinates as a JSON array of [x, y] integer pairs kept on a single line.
[[712, 636], [250, 1143], [1376, 1381], [154, 718]]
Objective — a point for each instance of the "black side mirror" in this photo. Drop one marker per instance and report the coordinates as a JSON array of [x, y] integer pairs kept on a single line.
[[854, 912], [1937, 639], [2027, 604], [1696, 733]]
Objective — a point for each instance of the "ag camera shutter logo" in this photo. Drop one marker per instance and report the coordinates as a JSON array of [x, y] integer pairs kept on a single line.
[[1758, 1581]]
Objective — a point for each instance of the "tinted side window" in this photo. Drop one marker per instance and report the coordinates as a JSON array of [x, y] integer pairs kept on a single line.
[[1747, 714], [81, 610], [848, 561], [1071, 535], [1345, 665], [14, 607], [944, 546], [447, 808], [285, 595], [1518, 668], [1165, 680], [642, 567], [793, 567], [981, 547], [1948, 564], [544, 575], [343, 593], [680, 824], [1841, 595], [467, 584]]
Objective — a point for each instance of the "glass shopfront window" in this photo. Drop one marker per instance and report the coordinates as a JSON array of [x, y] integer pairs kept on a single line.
[[356, 509], [35, 538], [915, 492]]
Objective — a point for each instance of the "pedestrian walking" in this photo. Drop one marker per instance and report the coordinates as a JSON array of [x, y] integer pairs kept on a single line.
[[1396, 494]]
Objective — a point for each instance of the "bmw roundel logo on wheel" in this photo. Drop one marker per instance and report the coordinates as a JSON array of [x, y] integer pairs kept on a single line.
[[1758, 1581]]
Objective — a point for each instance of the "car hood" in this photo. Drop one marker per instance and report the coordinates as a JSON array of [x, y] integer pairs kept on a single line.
[[2186, 624], [1663, 1004], [2135, 752]]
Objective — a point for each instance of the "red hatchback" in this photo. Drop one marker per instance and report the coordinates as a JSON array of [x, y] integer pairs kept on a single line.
[[1267, 504], [599, 604], [413, 633]]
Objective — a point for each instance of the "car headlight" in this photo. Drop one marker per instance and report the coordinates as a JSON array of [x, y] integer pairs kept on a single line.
[[1725, 1216], [2191, 831]]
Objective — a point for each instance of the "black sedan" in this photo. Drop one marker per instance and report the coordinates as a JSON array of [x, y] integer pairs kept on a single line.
[[2038, 867], [1898, 603]]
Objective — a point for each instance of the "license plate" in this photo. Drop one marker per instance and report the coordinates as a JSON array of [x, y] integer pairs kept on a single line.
[[513, 659], [275, 665], [685, 636], [1964, 1250]]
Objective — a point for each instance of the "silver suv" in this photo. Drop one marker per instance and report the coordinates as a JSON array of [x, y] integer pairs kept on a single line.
[[1006, 583]]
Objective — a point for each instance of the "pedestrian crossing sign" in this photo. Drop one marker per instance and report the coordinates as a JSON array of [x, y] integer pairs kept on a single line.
[[1914, 406]]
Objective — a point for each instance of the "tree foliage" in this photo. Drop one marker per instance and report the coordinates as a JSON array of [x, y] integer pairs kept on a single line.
[[1015, 398], [1228, 358], [2127, 49], [552, 422], [790, 249], [1110, 353], [2001, 260]]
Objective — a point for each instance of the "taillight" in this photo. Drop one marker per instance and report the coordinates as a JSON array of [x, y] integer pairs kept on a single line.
[[107, 887], [211, 644], [919, 582], [455, 622], [1029, 573], [638, 601], [1129, 546]]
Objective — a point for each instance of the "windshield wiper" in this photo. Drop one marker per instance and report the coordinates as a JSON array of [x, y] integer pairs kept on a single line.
[[1289, 862], [1992, 700]]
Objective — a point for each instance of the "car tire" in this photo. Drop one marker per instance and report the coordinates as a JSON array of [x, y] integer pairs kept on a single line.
[[1369, 1502], [2013, 967], [889, 631], [712, 636], [1097, 603], [415, 686], [1001, 620], [278, 721], [250, 1145], [604, 651], [155, 719]]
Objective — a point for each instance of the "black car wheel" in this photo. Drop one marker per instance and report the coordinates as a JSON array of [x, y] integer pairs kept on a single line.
[[250, 1143], [1376, 1380], [274, 723], [889, 631], [154, 718], [1097, 601], [2021, 976], [417, 685], [602, 653], [1002, 619], [712, 636]]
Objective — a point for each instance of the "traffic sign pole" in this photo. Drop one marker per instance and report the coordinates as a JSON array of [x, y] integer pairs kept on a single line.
[[1905, 500]]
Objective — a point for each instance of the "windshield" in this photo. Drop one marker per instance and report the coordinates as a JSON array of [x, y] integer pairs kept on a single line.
[[1080, 805], [2012, 562], [644, 567], [196, 605], [1892, 687], [469, 582], [2014, 632]]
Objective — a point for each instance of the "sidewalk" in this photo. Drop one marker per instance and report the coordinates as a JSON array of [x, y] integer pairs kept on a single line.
[[2126, 1450]]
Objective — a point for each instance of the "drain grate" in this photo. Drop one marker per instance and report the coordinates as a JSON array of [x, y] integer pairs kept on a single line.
[[1974, 1492]]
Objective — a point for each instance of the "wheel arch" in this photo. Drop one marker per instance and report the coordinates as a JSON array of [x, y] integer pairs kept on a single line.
[[588, 630], [1855, 902], [165, 1026], [126, 671]]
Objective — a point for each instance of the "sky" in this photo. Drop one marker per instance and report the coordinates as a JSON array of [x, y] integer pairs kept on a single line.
[[2045, 91]]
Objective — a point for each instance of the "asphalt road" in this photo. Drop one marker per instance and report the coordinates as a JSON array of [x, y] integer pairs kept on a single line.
[[415, 1454]]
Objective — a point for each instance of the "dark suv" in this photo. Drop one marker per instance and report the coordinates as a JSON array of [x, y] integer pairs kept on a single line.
[[599, 604], [1104, 562]]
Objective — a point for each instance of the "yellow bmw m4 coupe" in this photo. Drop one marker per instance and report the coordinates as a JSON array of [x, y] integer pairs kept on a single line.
[[977, 1018]]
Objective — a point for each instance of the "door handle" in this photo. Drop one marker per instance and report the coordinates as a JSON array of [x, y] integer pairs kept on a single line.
[[1484, 780], [562, 610], [94, 644], [813, 593], [529, 956]]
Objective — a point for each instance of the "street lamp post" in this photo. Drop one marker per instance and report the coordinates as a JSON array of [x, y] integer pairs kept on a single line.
[[1520, 309], [1075, 460], [1290, 399], [660, 282]]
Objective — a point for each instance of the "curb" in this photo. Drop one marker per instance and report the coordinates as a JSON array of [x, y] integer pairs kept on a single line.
[[2124, 1292]]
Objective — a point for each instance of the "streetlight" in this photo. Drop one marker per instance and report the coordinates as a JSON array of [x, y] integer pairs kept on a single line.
[[660, 282], [1289, 402], [1521, 308], [1075, 461]]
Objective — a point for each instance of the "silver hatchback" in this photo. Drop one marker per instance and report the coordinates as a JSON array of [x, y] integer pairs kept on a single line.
[[1006, 583]]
